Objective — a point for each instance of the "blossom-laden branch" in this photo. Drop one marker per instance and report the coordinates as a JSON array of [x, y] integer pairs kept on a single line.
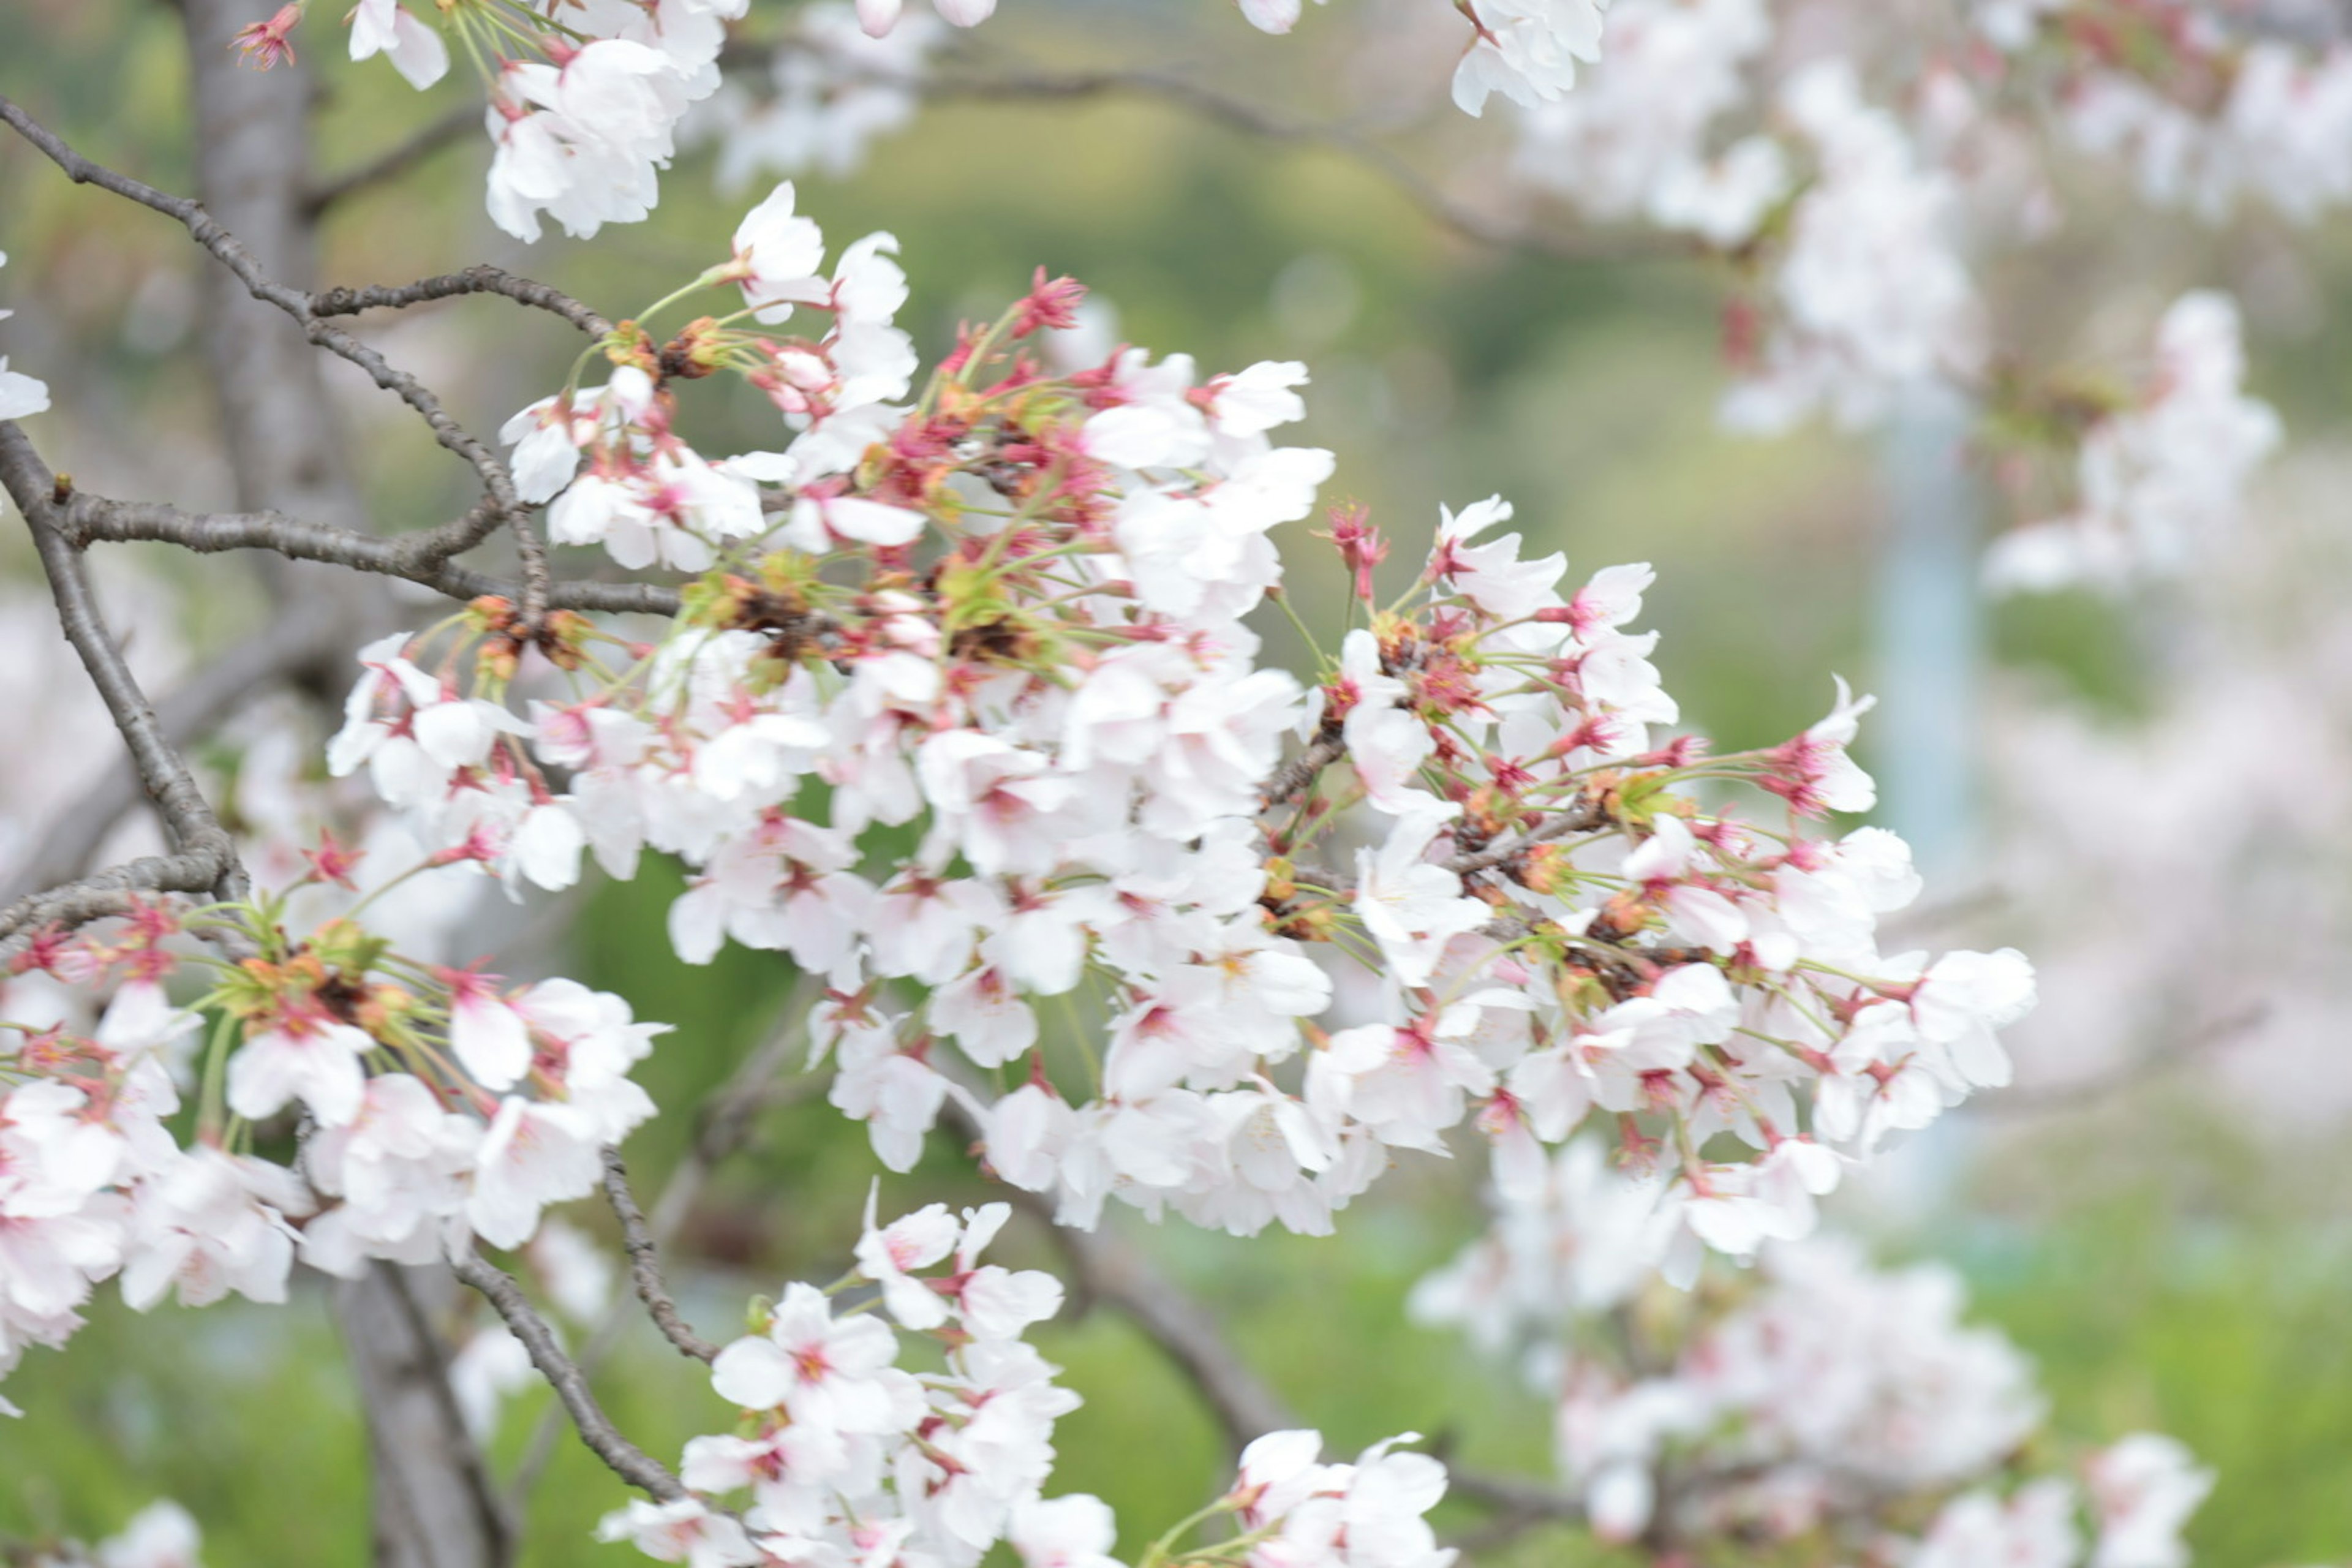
[[1692, 1424], [1113, 1271], [624, 1458], [645, 1262], [205, 858], [723, 1124]]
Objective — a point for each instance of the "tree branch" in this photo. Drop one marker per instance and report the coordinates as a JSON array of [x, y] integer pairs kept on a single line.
[[1245, 115], [1295, 777], [205, 858], [421, 557], [503, 502], [723, 1125], [1110, 1269], [644, 1266], [481, 279], [1583, 817], [392, 163], [624, 1458]]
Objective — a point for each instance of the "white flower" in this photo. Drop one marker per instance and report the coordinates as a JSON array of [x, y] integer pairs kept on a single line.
[[415, 49], [682, 1531], [1072, 1531], [1411, 907], [315, 1060], [777, 254], [823, 1371]]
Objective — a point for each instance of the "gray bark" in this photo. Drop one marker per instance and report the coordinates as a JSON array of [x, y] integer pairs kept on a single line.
[[433, 1504]]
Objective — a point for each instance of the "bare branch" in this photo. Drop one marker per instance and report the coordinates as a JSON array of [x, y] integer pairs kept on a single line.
[[394, 163], [482, 279], [205, 858], [304, 635], [1242, 114], [624, 1458], [503, 501], [723, 1125], [2090, 1089], [644, 1266], [1110, 1269], [418, 557]]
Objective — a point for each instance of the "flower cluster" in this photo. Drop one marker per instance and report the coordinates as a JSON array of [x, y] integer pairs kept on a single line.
[[1834, 205], [1871, 295], [435, 1107], [2156, 477], [1818, 1401], [1528, 50], [965, 717], [846, 1456], [832, 90], [1852, 224], [1849, 221], [1634, 142], [2203, 116], [585, 96]]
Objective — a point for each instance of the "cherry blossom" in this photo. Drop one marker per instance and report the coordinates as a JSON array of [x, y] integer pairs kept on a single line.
[[1814, 1399]]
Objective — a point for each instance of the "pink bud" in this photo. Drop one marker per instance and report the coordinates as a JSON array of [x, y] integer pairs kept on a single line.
[[878, 16]]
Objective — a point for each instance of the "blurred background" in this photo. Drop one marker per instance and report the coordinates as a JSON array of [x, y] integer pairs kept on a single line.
[[2152, 797]]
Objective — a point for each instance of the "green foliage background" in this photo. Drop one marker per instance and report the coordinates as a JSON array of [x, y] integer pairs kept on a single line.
[[2195, 1288]]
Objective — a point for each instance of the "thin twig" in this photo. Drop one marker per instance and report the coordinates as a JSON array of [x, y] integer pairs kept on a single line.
[[205, 858], [418, 557], [1246, 115], [394, 163], [645, 1265], [624, 1458], [723, 1126], [481, 279], [497, 480], [2090, 1089]]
